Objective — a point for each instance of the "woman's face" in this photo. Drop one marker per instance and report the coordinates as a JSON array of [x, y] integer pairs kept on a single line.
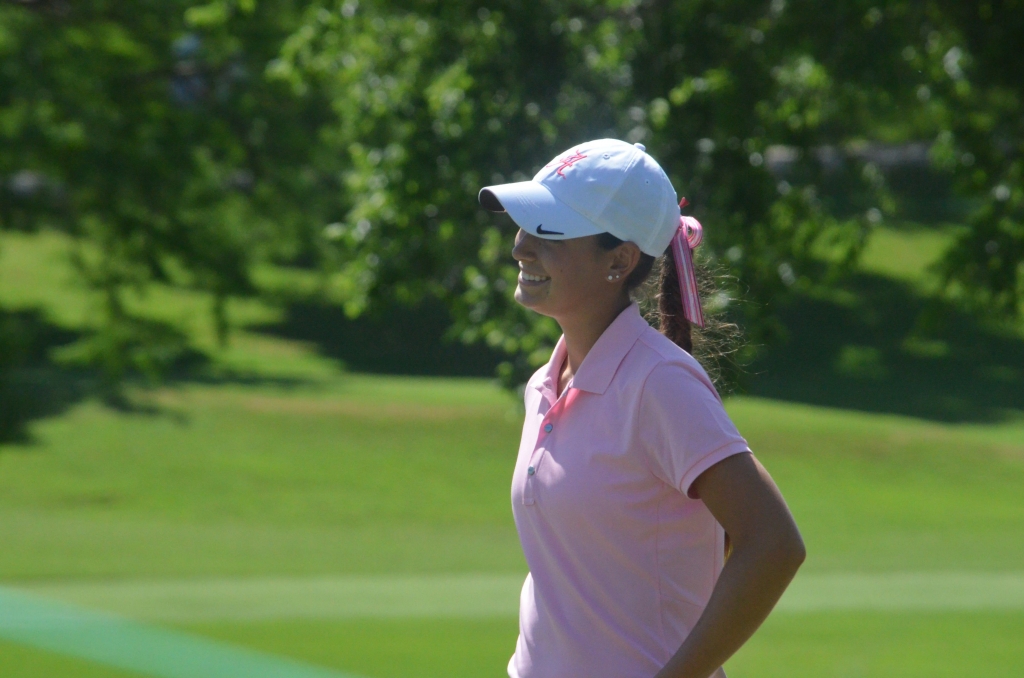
[[562, 278]]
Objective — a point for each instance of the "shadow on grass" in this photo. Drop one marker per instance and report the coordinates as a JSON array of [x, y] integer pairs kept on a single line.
[[30, 386], [34, 386], [873, 346], [876, 346], [395, 341], [400, 341]]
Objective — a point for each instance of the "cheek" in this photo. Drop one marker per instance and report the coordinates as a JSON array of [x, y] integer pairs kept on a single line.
[[574, 278]]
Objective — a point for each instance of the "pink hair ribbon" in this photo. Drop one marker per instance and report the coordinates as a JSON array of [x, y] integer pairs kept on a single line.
[[687, 237]]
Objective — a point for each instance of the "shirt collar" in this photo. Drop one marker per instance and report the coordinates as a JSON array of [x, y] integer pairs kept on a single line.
[[604, 358]]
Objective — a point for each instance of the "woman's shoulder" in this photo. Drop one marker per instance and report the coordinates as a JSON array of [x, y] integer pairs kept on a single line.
[[669, 368]]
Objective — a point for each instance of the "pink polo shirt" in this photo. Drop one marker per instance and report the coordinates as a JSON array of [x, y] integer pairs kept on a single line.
[[622, 560]]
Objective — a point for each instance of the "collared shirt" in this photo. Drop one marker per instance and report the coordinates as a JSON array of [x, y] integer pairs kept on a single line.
[[622, 558]]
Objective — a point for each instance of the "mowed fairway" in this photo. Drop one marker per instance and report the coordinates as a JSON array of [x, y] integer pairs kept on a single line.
[[326, 523], [363, 524]]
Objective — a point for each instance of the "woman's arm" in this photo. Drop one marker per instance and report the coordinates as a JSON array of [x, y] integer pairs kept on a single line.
[[767, 550]]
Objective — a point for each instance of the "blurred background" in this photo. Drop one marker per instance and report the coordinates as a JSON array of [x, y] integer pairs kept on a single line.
[[259, 356]]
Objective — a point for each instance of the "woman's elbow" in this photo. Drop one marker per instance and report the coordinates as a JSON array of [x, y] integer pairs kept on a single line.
[[797, 552], [783, 550], [786, 550], [791, 550]]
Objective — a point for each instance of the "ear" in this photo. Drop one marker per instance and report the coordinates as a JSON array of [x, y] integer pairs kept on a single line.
[[624, 259]]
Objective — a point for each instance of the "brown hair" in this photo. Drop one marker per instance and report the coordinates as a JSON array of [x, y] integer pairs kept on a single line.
[[715, 344]]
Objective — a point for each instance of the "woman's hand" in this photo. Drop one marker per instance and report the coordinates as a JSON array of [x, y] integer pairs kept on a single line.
[[767, 550]]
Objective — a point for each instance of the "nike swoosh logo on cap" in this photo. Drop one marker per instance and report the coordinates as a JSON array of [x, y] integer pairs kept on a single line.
[[542, 231]]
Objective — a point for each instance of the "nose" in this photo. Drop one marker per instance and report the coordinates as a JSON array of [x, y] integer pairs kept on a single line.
[[523, 249]]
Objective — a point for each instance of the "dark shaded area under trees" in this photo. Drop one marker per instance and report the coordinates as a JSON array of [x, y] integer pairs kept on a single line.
[[188, 143]]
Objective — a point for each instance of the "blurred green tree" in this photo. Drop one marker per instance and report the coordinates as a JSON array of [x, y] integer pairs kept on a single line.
[[971, 55], [435, 100], [183, 142], [756, 109], [148, 131]]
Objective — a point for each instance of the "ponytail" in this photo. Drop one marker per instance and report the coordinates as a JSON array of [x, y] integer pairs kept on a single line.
[[671, 320]]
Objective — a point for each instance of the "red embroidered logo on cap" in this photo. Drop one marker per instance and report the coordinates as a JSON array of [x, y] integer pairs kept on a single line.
[[567, 162]]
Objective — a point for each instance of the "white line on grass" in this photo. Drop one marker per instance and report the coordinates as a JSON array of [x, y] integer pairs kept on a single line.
[[101, 637], [37, 620], [469, 595], [497, 595], [906, 591]]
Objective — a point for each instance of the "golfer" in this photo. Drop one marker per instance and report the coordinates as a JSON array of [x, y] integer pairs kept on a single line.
[[630, 474]]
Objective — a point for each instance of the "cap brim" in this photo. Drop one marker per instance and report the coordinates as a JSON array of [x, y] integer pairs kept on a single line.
[[537, 211]]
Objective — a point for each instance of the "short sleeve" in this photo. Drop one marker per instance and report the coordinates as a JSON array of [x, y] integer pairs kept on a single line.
[[684, 429]]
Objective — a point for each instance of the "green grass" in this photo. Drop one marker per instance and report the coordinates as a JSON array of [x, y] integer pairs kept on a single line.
[[436, 648], [226, 480], [19, 661], [876, 493], [231, 481], [897, 645], [905, 253], [843, 645], [305, 471], [36, 272]]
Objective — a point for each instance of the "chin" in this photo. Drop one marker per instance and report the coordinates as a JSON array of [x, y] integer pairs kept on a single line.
[[526, 300]]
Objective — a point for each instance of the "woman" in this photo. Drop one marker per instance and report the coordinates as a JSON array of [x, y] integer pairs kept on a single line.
[[629, 473]]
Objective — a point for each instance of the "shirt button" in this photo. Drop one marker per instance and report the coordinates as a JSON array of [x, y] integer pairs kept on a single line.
[[547, 428], [530, 471]]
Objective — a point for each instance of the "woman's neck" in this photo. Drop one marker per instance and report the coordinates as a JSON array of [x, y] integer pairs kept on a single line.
[[582, 332]]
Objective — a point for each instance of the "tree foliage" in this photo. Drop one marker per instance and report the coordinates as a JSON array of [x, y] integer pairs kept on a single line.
[[434, 100], [149, 132], [187, 141]]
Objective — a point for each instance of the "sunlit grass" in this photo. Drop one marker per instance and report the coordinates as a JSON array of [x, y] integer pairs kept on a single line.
[[281, 471], [893, 645], [36, 271], [19, 661], [907, 252], [308, 471]]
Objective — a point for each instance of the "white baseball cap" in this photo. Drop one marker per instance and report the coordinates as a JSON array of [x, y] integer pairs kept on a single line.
[[601, 186]]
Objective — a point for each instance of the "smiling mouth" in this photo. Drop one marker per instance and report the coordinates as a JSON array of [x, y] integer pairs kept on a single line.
[[533, 278]]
